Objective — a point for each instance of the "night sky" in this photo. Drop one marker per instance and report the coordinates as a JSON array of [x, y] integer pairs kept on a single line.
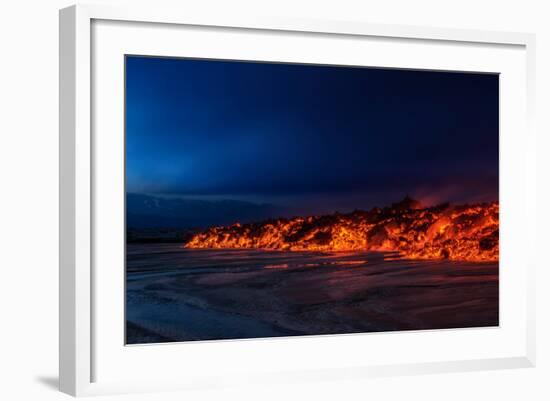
[[312, 139]]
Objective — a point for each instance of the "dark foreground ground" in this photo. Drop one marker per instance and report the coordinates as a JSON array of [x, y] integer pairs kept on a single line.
[[176, 294]]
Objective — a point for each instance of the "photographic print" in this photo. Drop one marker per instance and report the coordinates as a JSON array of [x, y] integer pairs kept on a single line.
[[279, 199]]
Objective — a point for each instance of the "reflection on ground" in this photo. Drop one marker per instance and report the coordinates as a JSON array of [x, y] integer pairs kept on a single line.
[[176, 294]]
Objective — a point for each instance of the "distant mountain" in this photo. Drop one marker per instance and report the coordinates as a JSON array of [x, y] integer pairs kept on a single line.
[[147, 211]]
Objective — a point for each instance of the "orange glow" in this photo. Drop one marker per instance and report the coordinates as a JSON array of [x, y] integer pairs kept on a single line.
[[281, 266], [465, 232]]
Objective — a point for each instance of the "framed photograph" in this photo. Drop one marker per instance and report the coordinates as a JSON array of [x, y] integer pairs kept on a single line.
[[271, 200]]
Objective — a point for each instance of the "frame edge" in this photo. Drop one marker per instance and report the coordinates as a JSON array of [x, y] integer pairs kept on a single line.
[[67, 112], [74, 201], [531, 187]]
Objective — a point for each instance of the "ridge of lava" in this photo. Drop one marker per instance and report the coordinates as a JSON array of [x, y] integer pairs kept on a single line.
[[453, 232]]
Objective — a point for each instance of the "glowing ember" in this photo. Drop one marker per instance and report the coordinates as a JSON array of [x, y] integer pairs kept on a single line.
[[463, 232]]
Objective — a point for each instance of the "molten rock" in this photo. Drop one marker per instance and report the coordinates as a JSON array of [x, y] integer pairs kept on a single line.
[[462, 232]]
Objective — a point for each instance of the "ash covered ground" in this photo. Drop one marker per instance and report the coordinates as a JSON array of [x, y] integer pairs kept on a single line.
[[176, 294]]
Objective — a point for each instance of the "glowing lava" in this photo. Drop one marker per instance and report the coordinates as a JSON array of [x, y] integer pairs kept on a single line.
[[459, 232]]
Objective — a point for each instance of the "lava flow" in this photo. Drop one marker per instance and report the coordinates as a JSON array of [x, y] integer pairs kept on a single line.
[[454, 232]]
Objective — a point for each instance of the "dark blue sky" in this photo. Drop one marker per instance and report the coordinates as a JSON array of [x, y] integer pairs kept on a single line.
[[313, 138]]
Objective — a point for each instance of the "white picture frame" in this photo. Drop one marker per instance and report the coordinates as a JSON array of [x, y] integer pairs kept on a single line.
[[78, 157]]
